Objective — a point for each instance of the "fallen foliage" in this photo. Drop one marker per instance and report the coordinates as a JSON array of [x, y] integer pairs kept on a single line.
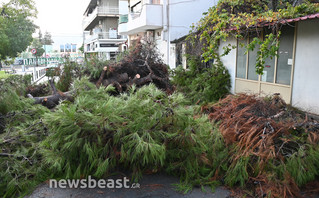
[[273, 147], [202, 83], [20, 160], [143, 130]]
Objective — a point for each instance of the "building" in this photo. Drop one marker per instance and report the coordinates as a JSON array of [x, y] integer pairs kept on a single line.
[[100, 26], [163, 21], [53, 53], [293, 74]]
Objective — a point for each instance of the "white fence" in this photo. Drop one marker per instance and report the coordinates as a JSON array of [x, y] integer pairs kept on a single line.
[[38, 75]]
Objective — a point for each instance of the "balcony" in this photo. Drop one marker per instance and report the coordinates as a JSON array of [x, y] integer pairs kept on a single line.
[[108, 36], [149, 18], [92, 19]]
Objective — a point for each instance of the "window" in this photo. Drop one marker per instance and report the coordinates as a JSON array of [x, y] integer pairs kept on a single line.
[[277, 70], [67, 48], [61, 48], [73, 48], [285, 56], [241, 59], [269, 69], [252, 57], [112, 55]]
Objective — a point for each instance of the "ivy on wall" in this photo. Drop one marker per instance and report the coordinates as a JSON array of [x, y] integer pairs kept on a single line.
[[236, 18]]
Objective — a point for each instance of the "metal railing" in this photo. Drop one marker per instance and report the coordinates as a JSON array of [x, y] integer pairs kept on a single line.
[[105, 35], [110, 35], [100, 10], [38, 75], [107, 10]]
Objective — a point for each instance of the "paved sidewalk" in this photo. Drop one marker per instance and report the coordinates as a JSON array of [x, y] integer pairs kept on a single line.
[[157, 185]]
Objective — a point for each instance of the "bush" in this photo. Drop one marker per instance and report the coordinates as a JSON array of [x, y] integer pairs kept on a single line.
[[71, 70], [200, 83], [11, 89]]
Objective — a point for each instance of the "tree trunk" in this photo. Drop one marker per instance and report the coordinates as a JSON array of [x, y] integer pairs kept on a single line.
[[54, 99]]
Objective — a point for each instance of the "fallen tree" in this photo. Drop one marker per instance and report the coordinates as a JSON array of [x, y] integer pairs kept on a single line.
[[52, 100], [141, 66]]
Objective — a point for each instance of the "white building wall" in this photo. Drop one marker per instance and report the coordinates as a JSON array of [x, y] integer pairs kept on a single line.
[[305, 92], [177, 18], [123, 7], [229, 60], [183, 13]]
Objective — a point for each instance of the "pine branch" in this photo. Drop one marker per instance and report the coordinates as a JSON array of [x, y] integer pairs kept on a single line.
[[11, 155]]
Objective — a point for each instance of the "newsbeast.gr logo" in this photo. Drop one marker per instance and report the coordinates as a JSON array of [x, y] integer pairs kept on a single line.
[[92, 183]]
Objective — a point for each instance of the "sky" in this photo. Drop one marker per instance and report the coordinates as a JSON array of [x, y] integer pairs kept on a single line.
[[63, 19]]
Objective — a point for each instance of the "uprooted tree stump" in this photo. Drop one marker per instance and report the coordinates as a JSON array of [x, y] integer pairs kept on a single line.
[[140, 67]]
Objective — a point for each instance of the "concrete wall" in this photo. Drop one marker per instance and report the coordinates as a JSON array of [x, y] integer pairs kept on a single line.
[[123, 7], [182, 14], [305, 93], [229, 61]]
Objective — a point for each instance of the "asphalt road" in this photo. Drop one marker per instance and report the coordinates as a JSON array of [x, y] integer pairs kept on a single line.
[[157, 185]]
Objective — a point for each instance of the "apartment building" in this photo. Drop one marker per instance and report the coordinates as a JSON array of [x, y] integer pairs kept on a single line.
[[100, 26], [163, 21]]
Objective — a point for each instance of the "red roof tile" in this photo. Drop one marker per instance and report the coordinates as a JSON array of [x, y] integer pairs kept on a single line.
[[283, 21]]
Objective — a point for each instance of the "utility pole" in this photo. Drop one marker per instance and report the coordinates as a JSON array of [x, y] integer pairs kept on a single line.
[[45, 54]]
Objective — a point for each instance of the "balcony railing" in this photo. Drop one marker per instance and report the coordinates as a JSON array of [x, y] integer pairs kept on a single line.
[[107, 10], [110, 35], [104, 35], [99, 11]]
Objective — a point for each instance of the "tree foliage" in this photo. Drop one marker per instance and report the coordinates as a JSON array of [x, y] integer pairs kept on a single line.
[[236, 18], [16, 27], [200, 82], [47, 39], [143, 130], [36, 44]]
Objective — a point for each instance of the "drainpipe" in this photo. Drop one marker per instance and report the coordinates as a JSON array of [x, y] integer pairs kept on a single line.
[[165, 24]]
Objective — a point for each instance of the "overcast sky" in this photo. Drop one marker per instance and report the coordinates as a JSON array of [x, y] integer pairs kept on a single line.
[[63, 19]]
